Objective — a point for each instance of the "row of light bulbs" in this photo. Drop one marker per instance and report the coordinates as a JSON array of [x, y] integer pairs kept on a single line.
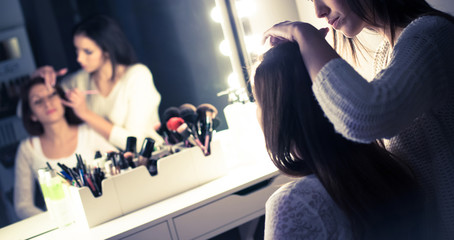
[[245, 8]]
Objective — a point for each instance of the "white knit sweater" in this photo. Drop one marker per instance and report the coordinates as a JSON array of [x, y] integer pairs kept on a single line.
[[303, 209], [410, 102], [132, 105]]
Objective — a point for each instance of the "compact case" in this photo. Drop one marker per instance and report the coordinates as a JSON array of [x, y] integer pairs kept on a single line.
[[136, 188]]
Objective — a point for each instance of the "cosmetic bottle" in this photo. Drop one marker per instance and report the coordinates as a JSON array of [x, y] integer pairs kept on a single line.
[[99, 160], [110, 165], [56, 197], [42, 182], [98, 154], [122, 163], [108, 169], [144, 158], [153, 166], [131, 143], [130, 151]]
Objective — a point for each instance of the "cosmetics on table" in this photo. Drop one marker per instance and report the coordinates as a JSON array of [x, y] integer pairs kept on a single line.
[[122, 163], [130, 151], [105, 165], [144, 158]]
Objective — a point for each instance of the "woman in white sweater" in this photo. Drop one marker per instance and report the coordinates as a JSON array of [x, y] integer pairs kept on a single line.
[[56, 135], [126, 101], [410, 102]]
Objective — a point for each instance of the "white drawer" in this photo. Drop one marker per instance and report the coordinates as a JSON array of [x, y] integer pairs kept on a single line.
[[158, 232], [227, 210]]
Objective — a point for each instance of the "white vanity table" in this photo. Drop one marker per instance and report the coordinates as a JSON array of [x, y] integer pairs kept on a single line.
[[200, 213]]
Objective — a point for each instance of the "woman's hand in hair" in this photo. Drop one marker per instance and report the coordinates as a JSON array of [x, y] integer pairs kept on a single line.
[[315, 50], [76, 100], [279, 33], [49, 74], [291, 31]]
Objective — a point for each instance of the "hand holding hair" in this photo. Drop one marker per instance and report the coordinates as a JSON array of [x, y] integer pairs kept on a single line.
[[314, 49], [288, 31]]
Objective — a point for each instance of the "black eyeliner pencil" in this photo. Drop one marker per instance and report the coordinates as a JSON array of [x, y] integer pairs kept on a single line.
[[84, 167], [79, 162], [48, 165], [75, 176]]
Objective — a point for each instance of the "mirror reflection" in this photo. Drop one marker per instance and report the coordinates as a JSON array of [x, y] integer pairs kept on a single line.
[[176, 52], [161, 71]]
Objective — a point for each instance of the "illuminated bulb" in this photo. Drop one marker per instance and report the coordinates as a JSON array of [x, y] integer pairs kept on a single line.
[[215, 15], [233, 81], [245, 8], [254, 44], [224, 48]]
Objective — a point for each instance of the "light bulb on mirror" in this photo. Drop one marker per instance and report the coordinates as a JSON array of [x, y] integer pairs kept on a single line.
[[246, 8], [224, 47], [233, 81], [254, 44], [216, 15]]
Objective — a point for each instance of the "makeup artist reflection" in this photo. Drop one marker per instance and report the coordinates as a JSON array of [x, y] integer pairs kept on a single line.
[[127, 101], [56, 135]]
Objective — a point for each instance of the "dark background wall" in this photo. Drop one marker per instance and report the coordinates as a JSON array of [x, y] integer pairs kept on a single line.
[[176, 39]]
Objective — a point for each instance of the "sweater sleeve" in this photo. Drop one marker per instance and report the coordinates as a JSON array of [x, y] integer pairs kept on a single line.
[[24, 184], [142, 108], [414, 82]]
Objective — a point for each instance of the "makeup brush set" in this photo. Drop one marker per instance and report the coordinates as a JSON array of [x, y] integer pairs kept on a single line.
[[189, 126]]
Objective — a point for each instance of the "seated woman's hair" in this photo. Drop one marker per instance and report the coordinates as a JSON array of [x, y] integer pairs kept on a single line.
[[370, 185], [35, 128]]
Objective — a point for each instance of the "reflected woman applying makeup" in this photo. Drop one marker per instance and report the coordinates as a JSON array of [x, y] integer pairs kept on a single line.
[[127, 101], [347, 190], [56, 135]]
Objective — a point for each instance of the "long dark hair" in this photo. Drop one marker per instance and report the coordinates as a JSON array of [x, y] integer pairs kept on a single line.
[[376, 191], [35, 128], [107, 34], [391, 14]]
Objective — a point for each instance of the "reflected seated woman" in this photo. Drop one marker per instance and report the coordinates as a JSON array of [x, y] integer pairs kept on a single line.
[[347, 190], [56, 135]]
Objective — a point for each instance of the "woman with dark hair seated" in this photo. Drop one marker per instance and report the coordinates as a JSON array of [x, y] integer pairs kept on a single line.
[[56, 135], [348, 190]]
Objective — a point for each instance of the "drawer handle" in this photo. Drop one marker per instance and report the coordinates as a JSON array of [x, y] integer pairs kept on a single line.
[[255, 187]]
